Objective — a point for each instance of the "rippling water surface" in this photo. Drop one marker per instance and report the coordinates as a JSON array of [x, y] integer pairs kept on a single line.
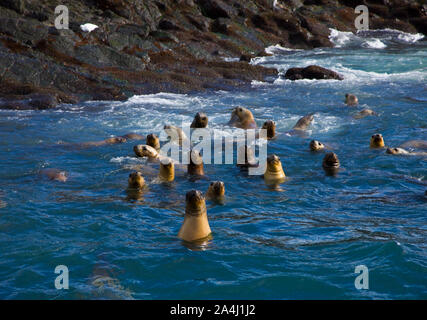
[[300, 242]]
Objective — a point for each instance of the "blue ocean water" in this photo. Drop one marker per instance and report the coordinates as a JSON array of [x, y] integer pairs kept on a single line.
[[302, 241]]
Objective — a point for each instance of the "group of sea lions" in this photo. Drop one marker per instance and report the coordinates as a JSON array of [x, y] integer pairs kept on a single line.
[[195, 227]]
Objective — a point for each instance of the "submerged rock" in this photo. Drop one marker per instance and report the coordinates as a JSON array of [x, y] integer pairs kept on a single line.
[[312, 72]]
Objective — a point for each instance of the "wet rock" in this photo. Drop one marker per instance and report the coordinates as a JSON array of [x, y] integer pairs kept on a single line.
[[216, 9], [312, 72], [221, 25], [178, 46]]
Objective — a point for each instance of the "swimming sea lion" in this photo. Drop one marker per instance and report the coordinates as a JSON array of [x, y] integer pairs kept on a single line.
[[418, 144], [216, 190], [133, 136], [365, 113], [175, 133], [401, 151], [54, 174], [246, 156], [195, 167], [167, 171], [351, 99], [112, 140], [331, 163], [316, 145], [304, 122], [196, 225], [136, 180], [377, 141], [242, 118], [270, 126], [200, 120], [274, 172], [153, 141], [143, 150]]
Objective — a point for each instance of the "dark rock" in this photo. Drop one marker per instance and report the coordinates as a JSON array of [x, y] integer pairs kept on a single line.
[[166, 24], [246, 57], [312, 72], [221, 25], [216, 9], [179, 46], [420, 24]]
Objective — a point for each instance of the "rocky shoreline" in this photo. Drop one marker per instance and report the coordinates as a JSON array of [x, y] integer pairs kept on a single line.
[[153, 46]]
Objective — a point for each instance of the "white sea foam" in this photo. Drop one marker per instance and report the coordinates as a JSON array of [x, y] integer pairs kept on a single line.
[[340, 38], [229, 59], [375, 44], [279, 49], [376, 39]]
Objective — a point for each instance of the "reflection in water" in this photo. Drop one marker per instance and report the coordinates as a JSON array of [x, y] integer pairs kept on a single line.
[[199, 245]]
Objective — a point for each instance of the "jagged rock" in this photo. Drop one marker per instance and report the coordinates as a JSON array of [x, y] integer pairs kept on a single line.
[[216, 9], [312, 72], [167, 45]]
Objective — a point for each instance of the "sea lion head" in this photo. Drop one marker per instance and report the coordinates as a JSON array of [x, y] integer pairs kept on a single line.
[[167, 170], [270, 126], [153, 141], [195, 204], [242, 118], [196, 225], [196, 163], [351, 99], [274, 170], [216, 189], [143, 150], [331, 163], [396, 151], [115, 140], [136, 180], [316, 145], [200, 120], [304, 122], [377, 141]]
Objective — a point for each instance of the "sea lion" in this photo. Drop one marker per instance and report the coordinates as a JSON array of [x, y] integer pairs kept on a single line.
[[304, 122], [196, 224], [365, 113], [246, 157], [401, 151], [274, 171], [216, 190], [133, 136], [136, 180], [316, 145], [200, 120], [331, 163], [418, 144], [112, 140], [54, 174], [152, 140], [351, 99], [167, 171], [195, 167], [175, 133], [270, 126], [143, 150], [242, 118], [377, 141]]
